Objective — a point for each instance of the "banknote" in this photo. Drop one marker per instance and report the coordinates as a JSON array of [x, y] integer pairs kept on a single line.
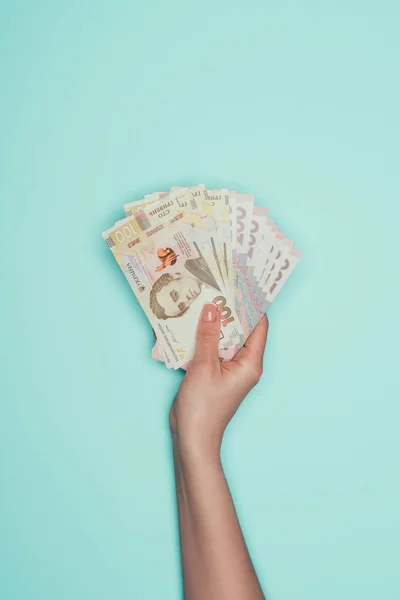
[[283, 245], [196, 196], [257, 240], [187, 246], [276, 249], [244, 211], [249, 310], [289, 265], [233, 223], [257, 229], [214, 207], [182, 197], [218, 201], [197, 205], [266, 255], [131, 207], [173, 299], [250, 313]]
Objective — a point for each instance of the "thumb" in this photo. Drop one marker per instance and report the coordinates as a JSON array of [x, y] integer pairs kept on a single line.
[[208, 332]]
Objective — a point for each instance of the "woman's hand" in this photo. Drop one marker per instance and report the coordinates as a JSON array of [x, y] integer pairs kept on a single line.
[[211, 391], [215, 560]]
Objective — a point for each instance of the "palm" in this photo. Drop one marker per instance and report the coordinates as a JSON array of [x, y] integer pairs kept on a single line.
[[240, 373]]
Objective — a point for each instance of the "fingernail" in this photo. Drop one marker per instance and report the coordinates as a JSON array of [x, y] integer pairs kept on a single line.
[[209, 313]]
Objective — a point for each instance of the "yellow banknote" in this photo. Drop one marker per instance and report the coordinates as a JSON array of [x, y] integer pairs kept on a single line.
[[168, 272]]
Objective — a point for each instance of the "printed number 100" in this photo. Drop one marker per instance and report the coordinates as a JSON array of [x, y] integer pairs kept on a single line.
[[225, 311]]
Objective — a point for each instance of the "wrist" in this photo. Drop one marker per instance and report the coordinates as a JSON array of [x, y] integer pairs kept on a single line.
[[194, 450]]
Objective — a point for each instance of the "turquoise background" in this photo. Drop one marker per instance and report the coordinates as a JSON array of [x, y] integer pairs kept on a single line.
[[296, 102]]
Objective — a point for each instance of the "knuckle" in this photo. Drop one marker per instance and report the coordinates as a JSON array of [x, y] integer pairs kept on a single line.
[[256, 374], [201, 367], [209, 335], [205, 371]]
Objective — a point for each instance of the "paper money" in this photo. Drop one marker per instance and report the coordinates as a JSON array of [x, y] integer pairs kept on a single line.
[[199, 212], [166, 268], [214, 206], [244, 211], [187, 246]]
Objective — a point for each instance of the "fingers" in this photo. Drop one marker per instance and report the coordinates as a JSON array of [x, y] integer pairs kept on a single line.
[[208, 332]]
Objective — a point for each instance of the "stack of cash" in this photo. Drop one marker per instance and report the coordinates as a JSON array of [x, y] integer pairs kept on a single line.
[[182, 249]]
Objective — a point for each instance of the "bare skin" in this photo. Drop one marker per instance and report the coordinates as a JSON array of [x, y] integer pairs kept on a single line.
[[215, 562]]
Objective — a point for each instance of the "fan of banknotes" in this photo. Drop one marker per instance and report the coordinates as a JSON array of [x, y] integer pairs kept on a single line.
[[190, 246]]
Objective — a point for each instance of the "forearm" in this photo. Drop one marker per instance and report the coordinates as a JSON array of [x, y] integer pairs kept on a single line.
[[215, 561]]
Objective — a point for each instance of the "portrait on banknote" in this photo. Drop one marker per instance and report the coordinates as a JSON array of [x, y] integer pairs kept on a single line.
[[172, 293]]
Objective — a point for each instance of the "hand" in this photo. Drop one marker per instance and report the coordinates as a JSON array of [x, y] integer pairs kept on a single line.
[[211, 391]]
